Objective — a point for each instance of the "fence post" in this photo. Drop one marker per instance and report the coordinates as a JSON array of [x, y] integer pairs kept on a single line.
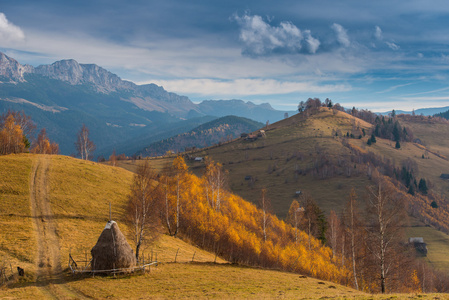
[[176, 255], [216, 253]]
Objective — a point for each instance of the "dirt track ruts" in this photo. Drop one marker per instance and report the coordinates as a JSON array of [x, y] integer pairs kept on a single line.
[[50, 277]]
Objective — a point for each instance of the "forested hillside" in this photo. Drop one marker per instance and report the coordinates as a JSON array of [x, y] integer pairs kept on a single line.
[[443, 115], [217, 131]]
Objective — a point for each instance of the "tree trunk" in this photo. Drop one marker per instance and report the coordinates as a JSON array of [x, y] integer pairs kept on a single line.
[[353, 244]]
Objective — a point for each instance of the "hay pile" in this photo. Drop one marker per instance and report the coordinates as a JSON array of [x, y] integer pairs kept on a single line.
[[112, 251]]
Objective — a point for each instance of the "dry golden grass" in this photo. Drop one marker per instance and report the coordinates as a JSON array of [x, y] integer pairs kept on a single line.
[[17, 239], [80, 193], [169, 281]]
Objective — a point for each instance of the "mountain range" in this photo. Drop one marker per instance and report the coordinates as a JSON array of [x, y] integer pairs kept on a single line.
[[121, 115], [421, 111]]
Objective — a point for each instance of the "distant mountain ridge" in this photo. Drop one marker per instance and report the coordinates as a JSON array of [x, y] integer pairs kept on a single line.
[[262, 112], [63, 95], [421, 111], [207, 134]]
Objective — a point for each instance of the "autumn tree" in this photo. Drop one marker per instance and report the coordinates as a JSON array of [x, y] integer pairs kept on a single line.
[[12, 139], [179, 169], [333, 232], [216, 180], [385, 218], [113, 158], [143, 206], [265, 206], [314, 221], [20, 118], [84, 146], [168, 210], [43, 145], [294, 216]]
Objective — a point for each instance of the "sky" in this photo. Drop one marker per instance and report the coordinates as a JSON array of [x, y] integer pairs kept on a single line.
[[378, 55]]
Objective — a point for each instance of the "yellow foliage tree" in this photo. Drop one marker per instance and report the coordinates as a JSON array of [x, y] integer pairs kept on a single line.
[[12, 139]]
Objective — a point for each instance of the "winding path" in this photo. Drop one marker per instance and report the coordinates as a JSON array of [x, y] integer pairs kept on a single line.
[[50, 278]]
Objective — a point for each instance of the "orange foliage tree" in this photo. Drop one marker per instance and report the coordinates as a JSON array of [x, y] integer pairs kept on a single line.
[[43, 144], [235, 231]]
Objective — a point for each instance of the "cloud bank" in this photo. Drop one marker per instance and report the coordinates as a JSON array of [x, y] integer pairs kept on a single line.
[[9, 32], [247, 87], [260, 38]]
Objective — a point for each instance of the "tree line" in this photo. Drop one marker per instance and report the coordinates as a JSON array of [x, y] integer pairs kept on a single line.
[[17, 136]]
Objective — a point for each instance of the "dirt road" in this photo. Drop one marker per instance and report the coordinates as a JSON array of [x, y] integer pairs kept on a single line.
[[50, 278]]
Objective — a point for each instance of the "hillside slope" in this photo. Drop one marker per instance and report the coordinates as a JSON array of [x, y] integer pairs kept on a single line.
[[307, 153], [207, 134], [316, 154], [54, 205]]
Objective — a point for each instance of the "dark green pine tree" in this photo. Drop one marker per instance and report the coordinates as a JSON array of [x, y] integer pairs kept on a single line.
[[398, 145], [422, 186], [411, 190], [397, 131]]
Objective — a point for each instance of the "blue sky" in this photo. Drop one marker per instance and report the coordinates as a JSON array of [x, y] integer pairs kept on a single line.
[[379, 55]]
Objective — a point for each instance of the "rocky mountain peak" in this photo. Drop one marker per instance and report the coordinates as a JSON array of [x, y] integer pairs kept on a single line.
[[67, 70], [11, 69], [71, 71]]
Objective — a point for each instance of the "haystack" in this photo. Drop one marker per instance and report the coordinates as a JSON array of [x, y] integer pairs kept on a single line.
[[112, 251]]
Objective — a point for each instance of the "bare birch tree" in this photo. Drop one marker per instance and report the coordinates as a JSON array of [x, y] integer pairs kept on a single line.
[[179, 171], [84, 146], [215, 178], [386, 215], [294, 216], [265, 205], [143, 206], [333, 231], [353, 227]]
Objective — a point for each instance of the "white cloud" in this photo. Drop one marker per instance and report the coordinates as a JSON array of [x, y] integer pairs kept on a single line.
[[9, 32], [312, 43], [246, 87], [393, 46], [342, 35], [394, 88], [378, 33], [260, 38]]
